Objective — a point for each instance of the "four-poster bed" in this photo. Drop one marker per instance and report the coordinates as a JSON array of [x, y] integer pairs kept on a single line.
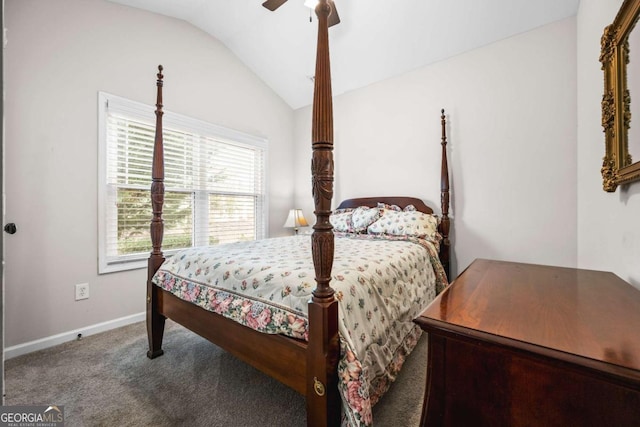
[[323, 341]]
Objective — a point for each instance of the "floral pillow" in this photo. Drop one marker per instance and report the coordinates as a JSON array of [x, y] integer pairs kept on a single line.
[[384, 207], [362, 218], [343, 210], [388, 207], [409, 223], [341, 221]]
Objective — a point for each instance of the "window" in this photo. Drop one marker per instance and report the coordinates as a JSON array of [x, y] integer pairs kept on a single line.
[[214, 183]]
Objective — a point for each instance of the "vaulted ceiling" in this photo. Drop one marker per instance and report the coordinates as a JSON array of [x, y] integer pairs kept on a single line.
[[375, 40]]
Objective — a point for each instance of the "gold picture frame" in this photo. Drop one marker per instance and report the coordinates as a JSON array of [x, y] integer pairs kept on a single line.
[[617, 166]]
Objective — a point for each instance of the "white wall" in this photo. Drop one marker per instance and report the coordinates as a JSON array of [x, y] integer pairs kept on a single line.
[[511, 108], [59, 55], [608, 223]]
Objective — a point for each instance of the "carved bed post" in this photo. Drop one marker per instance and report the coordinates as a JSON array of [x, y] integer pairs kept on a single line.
[[155, 321], [323, 401], [445, 249]]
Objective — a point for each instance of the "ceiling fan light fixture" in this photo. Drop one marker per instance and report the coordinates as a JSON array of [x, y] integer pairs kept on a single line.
[[311, 4]]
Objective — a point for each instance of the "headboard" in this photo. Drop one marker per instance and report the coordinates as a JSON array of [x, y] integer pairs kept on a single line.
[[373, 202]]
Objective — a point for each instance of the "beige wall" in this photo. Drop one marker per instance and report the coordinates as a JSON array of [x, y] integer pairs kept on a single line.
[[608, 230], [511, 108], [59, 55]]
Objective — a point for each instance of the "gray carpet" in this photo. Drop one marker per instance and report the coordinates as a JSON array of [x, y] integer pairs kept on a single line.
[[107, 380]]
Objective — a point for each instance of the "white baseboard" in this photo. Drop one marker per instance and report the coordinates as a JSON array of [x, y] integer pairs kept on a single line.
[[42, 343]]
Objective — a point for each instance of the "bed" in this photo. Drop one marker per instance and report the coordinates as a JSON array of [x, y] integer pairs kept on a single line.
[[257, 299]]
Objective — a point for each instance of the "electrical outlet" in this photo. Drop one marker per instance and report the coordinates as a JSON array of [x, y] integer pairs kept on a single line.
[[82, 291]]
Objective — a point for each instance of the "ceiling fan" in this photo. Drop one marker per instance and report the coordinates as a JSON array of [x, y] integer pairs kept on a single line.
[[332, 20]]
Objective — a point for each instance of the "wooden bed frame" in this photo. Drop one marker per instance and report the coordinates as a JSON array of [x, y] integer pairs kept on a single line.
[[307, 367]]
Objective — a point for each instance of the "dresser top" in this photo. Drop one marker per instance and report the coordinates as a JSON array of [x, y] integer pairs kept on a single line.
[[590, 314]]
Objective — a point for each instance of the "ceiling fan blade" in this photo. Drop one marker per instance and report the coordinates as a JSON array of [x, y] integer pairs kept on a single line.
[[333, 16], [273, 4]]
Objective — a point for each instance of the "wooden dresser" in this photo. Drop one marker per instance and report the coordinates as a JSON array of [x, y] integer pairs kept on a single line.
[[529, 345]]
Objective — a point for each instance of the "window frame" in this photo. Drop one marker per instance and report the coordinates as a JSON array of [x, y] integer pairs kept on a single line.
[[145, 113]]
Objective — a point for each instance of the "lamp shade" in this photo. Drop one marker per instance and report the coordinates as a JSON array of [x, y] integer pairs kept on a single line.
[[295, 220], [311, 4]]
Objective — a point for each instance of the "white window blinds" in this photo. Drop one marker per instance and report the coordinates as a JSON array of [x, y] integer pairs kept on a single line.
[[214, 183]]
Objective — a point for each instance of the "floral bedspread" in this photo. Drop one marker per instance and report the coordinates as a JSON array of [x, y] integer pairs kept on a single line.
[[381, 283]]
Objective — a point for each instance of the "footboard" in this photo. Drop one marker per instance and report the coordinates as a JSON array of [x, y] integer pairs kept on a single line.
[[280, 357]]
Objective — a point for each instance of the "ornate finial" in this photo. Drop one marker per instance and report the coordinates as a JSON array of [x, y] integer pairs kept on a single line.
[[443, 122], [323, 6], [160, 75]]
